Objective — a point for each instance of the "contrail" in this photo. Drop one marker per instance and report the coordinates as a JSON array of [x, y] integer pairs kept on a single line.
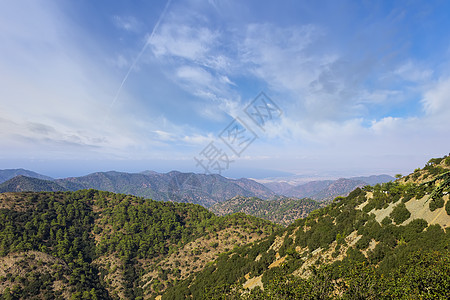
[[147, 42]]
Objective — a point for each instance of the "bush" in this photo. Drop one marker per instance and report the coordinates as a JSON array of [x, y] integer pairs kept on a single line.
[[447, 161], [386, 221], [400, 213], [436, 203], [447, 207], [363, 242]]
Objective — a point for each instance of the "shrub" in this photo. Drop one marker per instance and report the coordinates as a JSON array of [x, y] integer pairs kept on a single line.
[[363, 243], [447, 207], [447, 161], [400, 213], [386, 221], [436, 203]]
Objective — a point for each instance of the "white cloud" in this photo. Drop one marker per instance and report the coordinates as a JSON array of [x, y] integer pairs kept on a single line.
[[195, 75], [413, 72], [183, 41], [436, 100], [128, 23], [279, 55]]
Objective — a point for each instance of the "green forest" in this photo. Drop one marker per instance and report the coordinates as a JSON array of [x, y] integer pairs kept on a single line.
[[79, 227]]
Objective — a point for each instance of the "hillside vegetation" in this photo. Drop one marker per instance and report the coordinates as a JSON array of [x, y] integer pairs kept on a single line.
[[99, 245], [282, 211], [367, 245]]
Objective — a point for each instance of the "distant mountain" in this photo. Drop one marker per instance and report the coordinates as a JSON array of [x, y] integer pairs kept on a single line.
[[7, 174], [149, 172], [325, 189], [309, 189], [280, 188], [174, 186], [283, 211], [374, 179], [28, 184], [340, 187]]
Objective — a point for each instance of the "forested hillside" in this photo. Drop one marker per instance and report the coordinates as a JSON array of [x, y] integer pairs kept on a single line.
[[390, 241], [99, 245], [22, 183], [282, 211]]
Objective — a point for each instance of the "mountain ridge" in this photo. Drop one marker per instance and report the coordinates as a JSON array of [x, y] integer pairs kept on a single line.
[[23, 183], [8, 174]]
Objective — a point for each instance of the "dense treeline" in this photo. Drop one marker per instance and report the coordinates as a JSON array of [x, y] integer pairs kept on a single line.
[[57, 224]]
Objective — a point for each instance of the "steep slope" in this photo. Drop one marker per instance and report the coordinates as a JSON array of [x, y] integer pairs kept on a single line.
[[390, 241], [99, 245], [7, 174], [27, 184], [173, 186], [282, 211]]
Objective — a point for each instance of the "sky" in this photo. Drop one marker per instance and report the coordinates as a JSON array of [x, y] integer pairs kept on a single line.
[[244, 88]]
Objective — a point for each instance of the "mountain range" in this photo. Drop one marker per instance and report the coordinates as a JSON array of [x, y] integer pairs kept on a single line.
[[174, 186], [323, 190], [202, 189]]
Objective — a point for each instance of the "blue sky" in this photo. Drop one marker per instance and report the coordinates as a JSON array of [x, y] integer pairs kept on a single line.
[[117, 85]]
